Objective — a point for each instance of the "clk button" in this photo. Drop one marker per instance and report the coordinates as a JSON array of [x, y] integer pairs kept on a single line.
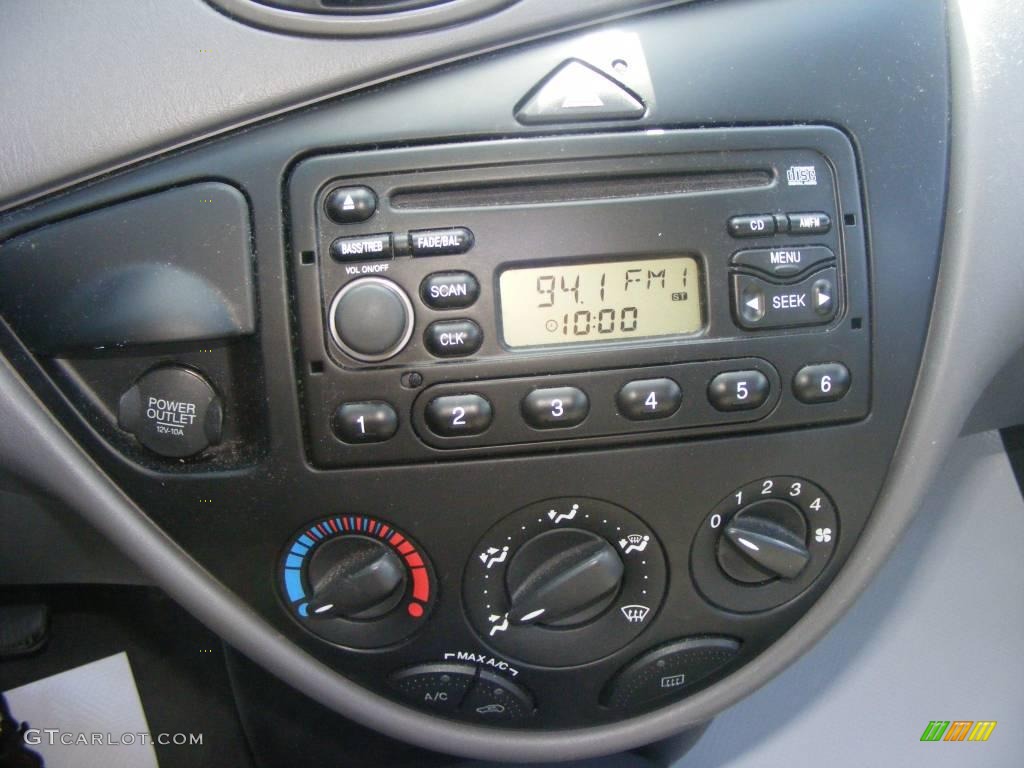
[[453, 338]]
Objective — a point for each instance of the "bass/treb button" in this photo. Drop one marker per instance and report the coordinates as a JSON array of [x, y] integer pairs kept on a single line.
[[459, 415]]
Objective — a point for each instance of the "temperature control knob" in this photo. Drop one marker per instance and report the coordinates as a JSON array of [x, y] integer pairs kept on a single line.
[[563, 578], [355, 577], [356, 581]]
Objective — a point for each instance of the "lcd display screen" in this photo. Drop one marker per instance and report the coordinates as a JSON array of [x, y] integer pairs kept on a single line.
[[600, 301]]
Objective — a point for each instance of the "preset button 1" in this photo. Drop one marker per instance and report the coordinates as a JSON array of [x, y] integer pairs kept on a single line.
[[368, 422], [649, 399]]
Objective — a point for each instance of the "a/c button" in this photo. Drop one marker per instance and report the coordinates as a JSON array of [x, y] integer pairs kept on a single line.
[[453, 338]]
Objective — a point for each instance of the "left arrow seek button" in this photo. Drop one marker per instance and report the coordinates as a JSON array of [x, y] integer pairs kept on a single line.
[[172, 411]]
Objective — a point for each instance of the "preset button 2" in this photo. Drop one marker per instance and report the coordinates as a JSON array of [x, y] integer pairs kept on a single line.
[[459, 415]]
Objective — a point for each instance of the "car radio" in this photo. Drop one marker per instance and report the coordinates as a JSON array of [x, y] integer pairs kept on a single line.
[[650, 286]]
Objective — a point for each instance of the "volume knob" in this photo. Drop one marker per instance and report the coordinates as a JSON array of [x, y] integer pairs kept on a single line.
[[371, 319]]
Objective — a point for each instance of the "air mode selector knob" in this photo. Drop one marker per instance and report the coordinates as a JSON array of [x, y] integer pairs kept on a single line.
[[371, 319], [355, 577], [563, 578]]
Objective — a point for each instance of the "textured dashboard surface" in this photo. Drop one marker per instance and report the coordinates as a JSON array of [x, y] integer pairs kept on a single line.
[[90, 86], [935, 637]]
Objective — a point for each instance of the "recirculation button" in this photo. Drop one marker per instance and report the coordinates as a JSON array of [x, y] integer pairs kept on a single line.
[[668, 670]]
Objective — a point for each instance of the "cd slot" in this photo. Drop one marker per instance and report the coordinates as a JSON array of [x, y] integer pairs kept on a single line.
[[540, 191]]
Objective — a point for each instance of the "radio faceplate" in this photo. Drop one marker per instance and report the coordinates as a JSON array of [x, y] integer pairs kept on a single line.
[[702, 261]]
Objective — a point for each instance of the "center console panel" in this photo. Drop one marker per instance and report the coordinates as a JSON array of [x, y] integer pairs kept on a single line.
[[593, 271]]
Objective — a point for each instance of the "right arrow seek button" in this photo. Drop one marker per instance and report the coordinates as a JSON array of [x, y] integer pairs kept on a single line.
[[759, 304]]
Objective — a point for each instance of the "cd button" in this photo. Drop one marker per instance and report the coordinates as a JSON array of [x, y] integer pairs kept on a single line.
[[752, 225], [555, 407]]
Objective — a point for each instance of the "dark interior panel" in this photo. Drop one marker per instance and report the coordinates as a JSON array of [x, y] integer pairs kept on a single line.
[[530, 417]]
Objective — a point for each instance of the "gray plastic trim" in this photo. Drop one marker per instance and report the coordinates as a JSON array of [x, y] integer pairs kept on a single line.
[[967, 347], [340, 24], [183, 71]]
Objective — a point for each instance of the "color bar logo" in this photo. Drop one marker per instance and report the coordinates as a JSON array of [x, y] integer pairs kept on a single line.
[[958, 730]]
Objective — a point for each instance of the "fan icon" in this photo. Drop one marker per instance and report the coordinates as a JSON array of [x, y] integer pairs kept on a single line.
[[823, 535]]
